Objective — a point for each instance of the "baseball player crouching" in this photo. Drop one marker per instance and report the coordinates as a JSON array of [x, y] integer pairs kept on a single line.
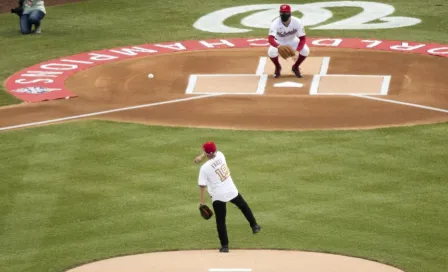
[[287, 30], [215, 176]]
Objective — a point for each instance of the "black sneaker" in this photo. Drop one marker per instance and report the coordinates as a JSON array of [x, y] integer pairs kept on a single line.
[[278, 69], [256, 229], [296, 71], [224, 249]]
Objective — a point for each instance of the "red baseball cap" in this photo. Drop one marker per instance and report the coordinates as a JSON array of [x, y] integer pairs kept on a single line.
[[209, 147], [285, 8]]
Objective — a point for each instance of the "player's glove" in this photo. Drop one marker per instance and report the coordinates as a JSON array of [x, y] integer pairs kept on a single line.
[[286, 51], [206, 212]]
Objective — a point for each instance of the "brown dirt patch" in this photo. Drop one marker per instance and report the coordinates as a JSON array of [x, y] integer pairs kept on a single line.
[[249, 260], [415, 79], [7, 5]]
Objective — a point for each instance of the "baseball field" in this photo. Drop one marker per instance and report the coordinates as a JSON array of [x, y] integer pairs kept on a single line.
[[91, 178]]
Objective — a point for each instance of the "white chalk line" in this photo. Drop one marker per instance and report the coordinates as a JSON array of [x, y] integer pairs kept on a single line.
[[401, 103], [192, 80], [106, 112], [261, 66], [315, 85], [262, 84], [314, 89], [324, 66], [385, 85]]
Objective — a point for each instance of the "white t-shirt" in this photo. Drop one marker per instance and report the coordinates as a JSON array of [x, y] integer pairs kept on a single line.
[[215, 174], [287, 34], [32, 5]]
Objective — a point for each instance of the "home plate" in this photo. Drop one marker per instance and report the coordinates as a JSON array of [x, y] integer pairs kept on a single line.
[[289, 84]]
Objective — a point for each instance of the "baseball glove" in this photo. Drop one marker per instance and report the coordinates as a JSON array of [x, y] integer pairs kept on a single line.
[[286, 51], [206, 212]]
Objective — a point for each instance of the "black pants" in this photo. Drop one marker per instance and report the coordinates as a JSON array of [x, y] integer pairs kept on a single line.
[[220, 214]]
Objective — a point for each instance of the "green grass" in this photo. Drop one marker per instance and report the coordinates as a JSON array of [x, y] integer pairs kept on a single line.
[[84, 191], [87, 190], [93, 25]]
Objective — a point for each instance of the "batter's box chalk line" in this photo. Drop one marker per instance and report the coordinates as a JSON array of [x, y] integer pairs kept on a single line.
[[193, 81], [384, 89]]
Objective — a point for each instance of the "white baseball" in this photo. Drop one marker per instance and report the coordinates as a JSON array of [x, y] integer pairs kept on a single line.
[[150, 75]]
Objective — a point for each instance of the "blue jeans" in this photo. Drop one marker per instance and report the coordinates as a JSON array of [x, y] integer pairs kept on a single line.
[[28, 20]]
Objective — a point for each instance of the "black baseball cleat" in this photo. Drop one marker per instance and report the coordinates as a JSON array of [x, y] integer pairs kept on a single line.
[[256, 229], [224, 249], [278, 69], [297, 72]]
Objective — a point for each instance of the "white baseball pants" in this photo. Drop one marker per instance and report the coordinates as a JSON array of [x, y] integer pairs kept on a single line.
[[273, 52]]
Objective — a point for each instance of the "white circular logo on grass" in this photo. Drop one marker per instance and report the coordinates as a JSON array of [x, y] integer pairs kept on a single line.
[[373, 16]]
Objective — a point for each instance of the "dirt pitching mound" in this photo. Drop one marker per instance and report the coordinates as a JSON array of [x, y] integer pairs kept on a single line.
[[235, 261]]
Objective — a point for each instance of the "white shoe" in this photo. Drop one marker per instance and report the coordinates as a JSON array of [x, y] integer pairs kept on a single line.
[[38, 30]]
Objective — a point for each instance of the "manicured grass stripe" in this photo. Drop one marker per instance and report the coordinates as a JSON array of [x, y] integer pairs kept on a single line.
[[133, 189]]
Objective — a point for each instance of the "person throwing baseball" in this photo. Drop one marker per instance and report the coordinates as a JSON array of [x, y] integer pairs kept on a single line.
[[214, 175], [287, 35]]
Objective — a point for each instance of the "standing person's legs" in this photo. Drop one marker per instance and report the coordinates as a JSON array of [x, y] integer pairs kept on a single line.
[[25, 26], [220, 215], [245, 209], [36, 18]]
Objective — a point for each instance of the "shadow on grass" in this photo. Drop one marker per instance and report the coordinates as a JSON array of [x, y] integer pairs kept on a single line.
[[15, 33]]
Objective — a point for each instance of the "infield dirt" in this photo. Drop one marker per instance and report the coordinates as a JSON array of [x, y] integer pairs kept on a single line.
[[414, 79]]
